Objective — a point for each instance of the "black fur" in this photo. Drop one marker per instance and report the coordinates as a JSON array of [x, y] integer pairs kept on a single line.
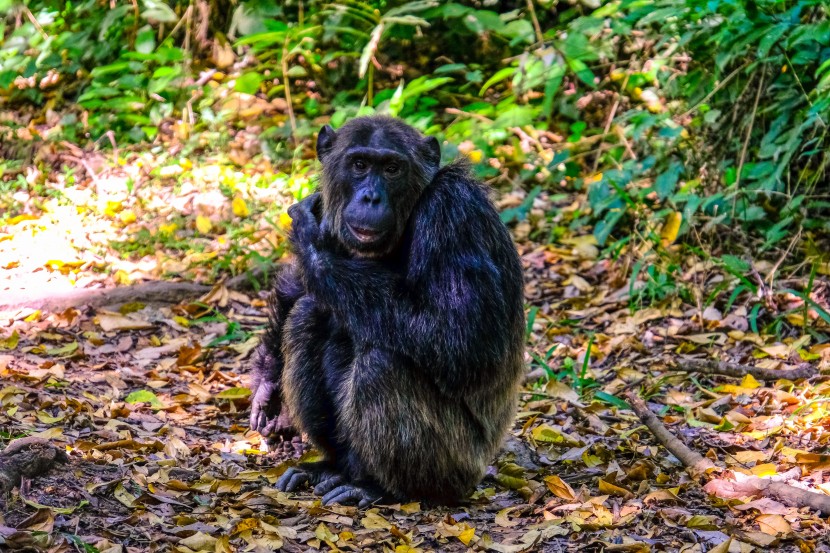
[[400, 360]]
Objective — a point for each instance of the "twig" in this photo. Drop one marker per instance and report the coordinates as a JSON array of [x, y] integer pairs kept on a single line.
[[610, 120], [35, 22], [801, 86], [719, 86], [456, 111], [111, 135], [626, 143], [526, 138], [536, 27], [771, 276], [698, 466], [181, 22], [150, 292], [748, 135], [735, 370], [287, 88]]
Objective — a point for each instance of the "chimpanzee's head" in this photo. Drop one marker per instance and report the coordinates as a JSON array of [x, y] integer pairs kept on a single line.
[[374, 170]]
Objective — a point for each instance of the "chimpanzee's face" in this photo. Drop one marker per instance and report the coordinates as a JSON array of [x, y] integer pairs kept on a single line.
[[374, 170]]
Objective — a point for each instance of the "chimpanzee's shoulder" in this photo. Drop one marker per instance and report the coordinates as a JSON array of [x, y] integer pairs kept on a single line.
[[455, 186]]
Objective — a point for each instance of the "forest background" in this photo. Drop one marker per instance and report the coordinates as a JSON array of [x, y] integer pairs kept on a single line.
[[662, 167]]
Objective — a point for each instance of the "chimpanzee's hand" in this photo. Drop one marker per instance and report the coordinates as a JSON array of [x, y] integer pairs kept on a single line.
[[265, 408], [305, 230]]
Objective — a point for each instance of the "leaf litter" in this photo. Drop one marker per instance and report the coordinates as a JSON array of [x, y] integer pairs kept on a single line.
[[149, 400]]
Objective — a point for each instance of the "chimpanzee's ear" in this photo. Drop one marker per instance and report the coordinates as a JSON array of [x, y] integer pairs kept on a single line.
[[325, 141], [432, 152]]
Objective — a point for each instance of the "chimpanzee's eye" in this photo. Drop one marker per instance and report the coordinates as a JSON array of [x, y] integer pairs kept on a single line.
[[393, 169], [359, 164]]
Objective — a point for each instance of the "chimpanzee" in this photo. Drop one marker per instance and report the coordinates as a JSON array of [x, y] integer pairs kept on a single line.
[[396, 337]]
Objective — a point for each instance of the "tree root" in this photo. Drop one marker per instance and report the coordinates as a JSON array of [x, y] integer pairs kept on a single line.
[[699, 466], [148, 292], [27, 457], [713, 366]]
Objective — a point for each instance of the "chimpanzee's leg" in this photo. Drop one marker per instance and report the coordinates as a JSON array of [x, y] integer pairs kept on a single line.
[[394, 421], [268, 363], [317, 359]]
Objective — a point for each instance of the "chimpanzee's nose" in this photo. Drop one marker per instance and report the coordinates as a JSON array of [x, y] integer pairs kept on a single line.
[[370, 197]]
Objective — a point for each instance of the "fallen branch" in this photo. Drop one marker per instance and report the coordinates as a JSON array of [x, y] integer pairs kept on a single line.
[[698, 466], [27, 457], [148, 292], [713, 366]]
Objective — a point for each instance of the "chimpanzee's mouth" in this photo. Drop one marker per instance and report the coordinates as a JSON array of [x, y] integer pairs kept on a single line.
[[364, 235]]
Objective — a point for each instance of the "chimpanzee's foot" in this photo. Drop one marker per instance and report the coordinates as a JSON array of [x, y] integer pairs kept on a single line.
[[304, 473], [351, 494], [292, 479], [336, 489]]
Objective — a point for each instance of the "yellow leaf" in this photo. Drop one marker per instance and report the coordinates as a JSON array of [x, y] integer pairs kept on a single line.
[[750, 382], [475, 156], [701, 522], [608, 488], [127, 217], [410, 508], [374, 521], [765, 469], [46, 418], [122, 277], [746, 457], [661, 496], [671, 228], [122, 495], [168, 228], [203, 224], [199, 542], [285, 220], [35, 316], [560, 488], [240, 208], [774, 525], [548, 434], [245, 524], [112, 208], [733, 389], [593, 178], [10, 342], [115, 321], [323, 533], [722, 548], [812, 458], [503, 518], [467, 536]]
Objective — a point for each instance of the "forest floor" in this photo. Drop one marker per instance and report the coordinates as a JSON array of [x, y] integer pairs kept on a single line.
[[149, 401]]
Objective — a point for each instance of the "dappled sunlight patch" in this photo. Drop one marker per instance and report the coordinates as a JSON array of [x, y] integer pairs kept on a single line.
[[127, 223]]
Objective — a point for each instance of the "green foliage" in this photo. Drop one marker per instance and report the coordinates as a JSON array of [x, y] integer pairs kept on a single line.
[[110, 63], [665, 116], [755, 95]]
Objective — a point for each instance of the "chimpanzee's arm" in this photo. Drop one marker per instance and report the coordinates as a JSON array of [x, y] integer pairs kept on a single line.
[[266, 371], [452, 311]]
